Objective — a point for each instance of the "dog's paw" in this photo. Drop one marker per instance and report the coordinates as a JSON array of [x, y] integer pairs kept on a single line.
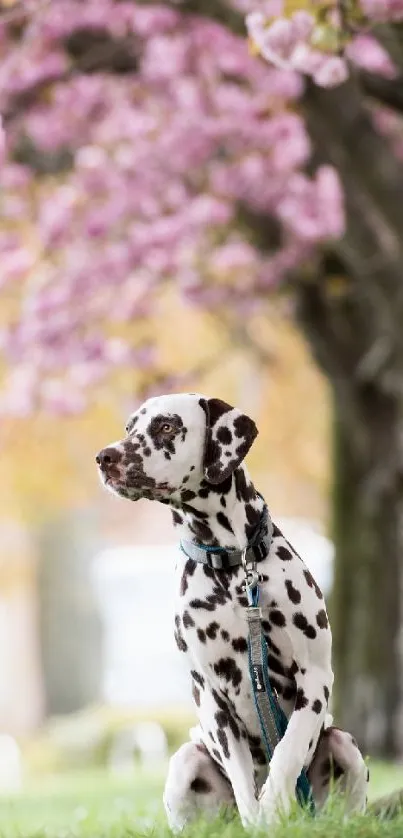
[[274, 803]]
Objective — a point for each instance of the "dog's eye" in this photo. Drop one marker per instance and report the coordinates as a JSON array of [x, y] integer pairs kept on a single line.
[[166, 428]]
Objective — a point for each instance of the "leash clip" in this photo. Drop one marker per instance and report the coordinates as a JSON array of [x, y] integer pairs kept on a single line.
[[252, 577]]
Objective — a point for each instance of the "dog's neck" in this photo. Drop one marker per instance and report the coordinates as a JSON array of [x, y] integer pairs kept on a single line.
[[222, 515]]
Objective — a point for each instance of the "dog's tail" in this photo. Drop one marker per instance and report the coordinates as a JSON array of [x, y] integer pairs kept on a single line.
[[387, 807]]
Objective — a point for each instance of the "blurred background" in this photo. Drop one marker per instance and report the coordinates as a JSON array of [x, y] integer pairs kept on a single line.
[[177, 214]]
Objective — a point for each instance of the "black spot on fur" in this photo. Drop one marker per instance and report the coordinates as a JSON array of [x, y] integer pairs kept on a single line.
[[326, 768], [258, 755], [219, 489], [244, 426], [293, 593], [317, 706], [217, 755], [198, 678], [187, 495], [225, 635], [321, 619], [228, 669], [202, 604], [338, 771], [301, 622], [188, 621], [177, 519], [224, 522], [239, 644], [197, 513], [223, 740], [289, 693], [221, 717], [188, 570], [225, 717], [253, 518], [277, 618], [244, 491], [312, 584], [196, 695], [224, 435], [293, 669], [179, 640], [275, 665], [301, 700], [326, 692], [202, 531], [211, 630], [284, 554], [201, 786], [201, 635]]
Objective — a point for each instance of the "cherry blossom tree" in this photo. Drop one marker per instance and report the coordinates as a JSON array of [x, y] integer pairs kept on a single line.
[[235, 149]]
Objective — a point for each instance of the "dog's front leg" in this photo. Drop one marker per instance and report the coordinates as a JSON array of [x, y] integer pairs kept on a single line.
[[217, 719], [290, 755]]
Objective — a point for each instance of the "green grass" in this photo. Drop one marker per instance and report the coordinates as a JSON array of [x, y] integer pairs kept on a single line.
[[95, 805]]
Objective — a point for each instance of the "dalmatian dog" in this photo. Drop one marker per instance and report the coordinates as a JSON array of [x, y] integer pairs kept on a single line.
[[187, 451]]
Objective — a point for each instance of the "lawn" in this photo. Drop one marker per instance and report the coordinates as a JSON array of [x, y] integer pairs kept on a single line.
[[95, 805]]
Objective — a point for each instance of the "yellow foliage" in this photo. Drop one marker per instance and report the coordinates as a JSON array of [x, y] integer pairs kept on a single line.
[[48, 462]]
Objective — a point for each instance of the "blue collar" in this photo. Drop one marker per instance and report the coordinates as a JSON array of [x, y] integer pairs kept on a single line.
[[223, 558]]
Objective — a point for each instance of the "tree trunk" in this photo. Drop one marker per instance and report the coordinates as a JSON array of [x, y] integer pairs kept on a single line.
[[366, 606], [366, 610], [356, 335]]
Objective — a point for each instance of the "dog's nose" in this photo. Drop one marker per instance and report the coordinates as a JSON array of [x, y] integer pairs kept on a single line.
[[107, 457]]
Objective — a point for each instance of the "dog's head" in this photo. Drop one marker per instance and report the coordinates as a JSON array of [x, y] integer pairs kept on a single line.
[[175, 443]]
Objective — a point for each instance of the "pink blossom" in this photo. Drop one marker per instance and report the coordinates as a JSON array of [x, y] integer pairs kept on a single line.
[[333, 72], [331, 202], [166, 163], [365, 51], [383, 10], [56, 396], [278, 41], [303, 23]]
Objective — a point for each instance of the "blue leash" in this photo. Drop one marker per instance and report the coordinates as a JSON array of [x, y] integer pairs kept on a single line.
[[272, 719]]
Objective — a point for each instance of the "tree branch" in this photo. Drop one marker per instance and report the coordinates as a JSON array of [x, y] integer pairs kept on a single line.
[[387, 92], [95, 50], [371, 248], [391, 38], [216, 10]]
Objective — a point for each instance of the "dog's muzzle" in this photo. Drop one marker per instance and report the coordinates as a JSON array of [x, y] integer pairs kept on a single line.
[[108, 461]]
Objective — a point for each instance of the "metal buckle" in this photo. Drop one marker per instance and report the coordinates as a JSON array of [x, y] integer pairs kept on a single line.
[[251, 574]]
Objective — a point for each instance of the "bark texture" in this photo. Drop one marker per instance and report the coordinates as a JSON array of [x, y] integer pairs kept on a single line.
[[356, 336]]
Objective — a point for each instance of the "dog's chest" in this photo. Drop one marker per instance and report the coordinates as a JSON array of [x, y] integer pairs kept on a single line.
[[211, 629]]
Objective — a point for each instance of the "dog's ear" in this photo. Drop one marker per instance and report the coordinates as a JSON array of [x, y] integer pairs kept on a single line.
[[229, 435]]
